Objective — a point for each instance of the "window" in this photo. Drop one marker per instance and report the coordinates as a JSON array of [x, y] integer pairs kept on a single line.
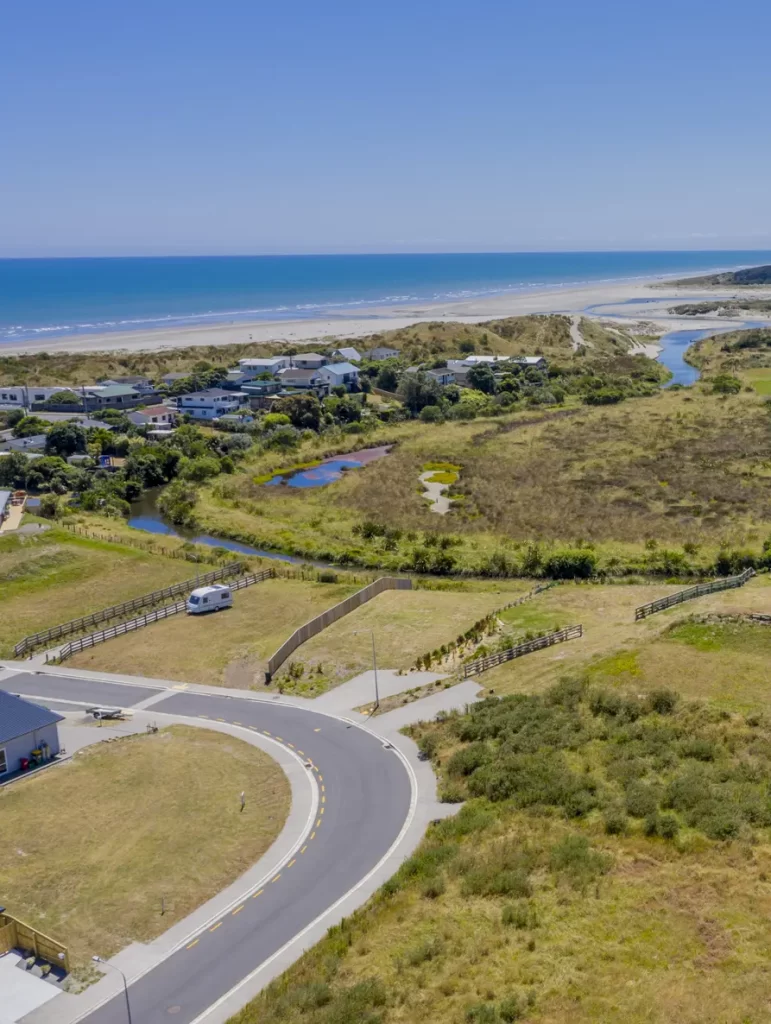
[[3, 761]]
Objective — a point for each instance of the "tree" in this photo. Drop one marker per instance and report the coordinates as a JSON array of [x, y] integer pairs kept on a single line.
[[65, 439], [65, 398], [303, 410], [49, 506], [344, 410], [725, 384], [14, 416], [481, 378], [431, 414], [417, 390], [29, 425], [13, 470], [178, 501], [388, 378], [200, 469]]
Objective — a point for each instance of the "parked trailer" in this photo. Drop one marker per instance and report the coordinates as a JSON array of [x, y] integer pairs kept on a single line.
[[209, 599], [99, 713]]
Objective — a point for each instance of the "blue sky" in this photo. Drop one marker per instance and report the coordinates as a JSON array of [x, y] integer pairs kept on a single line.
[[248, 127]]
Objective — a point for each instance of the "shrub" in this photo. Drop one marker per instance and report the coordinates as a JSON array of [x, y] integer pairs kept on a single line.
[[518, 915], [668, 826], [482, 1013], [662, 701], [570, 565], [641, 799], [433, 888], [574, 858], [468, 759], [615, 822], [512, 1008]]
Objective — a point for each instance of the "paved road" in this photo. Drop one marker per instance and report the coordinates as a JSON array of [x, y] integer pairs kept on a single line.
[[365, 795], [63, 688]]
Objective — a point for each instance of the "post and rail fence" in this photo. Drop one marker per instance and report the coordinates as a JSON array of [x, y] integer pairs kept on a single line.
[[44, 637], [165, 612], [320, 622], [473, 668], [700, 590]]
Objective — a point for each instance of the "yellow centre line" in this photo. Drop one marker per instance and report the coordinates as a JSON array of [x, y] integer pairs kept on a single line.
[[236, 723], [323, 798], [291, 745], [318, 823], [238, 909], [322, 785], [216, 926], [313, 835], [276, 878], [280, 739], [321, 778], [317, 730], [265, 731], [301, 752], [304, 848], [291, 862], [203, 716], [322, 809], [193, 943], [258, 894]]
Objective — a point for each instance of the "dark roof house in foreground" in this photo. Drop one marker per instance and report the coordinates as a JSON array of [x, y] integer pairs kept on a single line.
[[25, 728]]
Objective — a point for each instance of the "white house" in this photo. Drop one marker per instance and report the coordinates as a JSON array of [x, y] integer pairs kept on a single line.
[[209, 404], [269, 364], [382, 352], [349, 355], [154, 416], [296, 377], [340, 373], [308, 360]]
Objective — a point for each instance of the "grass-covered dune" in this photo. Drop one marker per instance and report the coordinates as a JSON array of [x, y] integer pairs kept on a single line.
[[742, 278], [611, 864]]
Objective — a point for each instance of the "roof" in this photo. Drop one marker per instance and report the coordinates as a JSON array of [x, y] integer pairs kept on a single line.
[[176, 376], [309, 355], [154, 410], [5, 497], [339, 368], [116, 391], [18, 717], [210, 393], [20, 444], [380, 349], [266, 361], [348, 353], [298, 373], [129, 380]]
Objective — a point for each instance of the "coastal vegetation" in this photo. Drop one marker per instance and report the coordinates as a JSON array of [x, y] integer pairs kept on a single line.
[[590, 811], [748, 277], [726, 307]]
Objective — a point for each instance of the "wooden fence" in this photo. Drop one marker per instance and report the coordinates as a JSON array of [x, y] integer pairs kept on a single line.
[[15, 934], [331, 615], [116, 611], [92, 639], [473, 668], [700, 590]]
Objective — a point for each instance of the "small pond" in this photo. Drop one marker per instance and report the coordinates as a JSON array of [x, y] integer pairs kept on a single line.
[[328, 471]]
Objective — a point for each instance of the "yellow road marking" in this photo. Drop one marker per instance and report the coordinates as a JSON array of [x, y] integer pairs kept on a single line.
[[313, 835], [304, 848], [258, 894], [301, 752], [216, 926], [317, 730], [220, 719], [280, 739], [239, 909], [266, 732], [322, 787], [322, 809], [291, 862], [291, 745], [276, 878], [318, 822], [203, 716], [321, 778], [193, 943], [236, 723], [323, 798]]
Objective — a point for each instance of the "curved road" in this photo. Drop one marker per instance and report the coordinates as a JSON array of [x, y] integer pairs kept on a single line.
[[366, 798]]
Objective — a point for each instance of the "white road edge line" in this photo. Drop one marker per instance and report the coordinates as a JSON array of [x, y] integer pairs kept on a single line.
[[263, 881], [394, 846]]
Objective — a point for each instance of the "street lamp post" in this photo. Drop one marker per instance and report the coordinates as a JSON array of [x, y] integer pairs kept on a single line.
[[99, 960], [374, 665]]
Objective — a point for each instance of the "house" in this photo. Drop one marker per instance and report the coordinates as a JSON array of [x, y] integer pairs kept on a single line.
[[441, 376], [340, 373], [139, 383], [154, 416], [269, 364], [34, 396], [28, 734], [115, 396], [34, 443], [172, 378], [209, 404], [299, 378], [535, 361], [381, 352], [308, 361], [348, 355]]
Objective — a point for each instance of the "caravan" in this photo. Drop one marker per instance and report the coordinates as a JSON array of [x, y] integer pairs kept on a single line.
[[209, 599]]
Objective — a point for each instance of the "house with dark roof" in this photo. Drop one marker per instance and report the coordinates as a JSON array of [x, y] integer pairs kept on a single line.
[[28, 734], [117, 396], [381, 352], [33, 443]]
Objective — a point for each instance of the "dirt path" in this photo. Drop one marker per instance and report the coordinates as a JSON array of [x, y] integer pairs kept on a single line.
[[576, 338], [436, 493]]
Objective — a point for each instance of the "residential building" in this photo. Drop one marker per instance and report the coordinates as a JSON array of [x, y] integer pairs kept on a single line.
[[172, 378], [269, 364], [300, 378], [340, 373], [210, 404], [34, 443], [442, 376], [381, 352], [28, 734], [29, 396], [308, 360], [139, 383], [115, 396], [348, 355], [535, 361], [154, 416]]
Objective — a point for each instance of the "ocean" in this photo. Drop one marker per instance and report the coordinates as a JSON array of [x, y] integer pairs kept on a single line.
[[62, 297]]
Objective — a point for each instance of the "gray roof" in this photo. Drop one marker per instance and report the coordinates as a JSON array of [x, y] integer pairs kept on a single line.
[[5, 497], [339, 368], [209, 393], [22, 444], [18, 717], [177, 375]]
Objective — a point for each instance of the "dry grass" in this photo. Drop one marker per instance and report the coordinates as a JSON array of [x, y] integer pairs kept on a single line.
[[407, 624], [227, 649], [84, 861], [51, 577]]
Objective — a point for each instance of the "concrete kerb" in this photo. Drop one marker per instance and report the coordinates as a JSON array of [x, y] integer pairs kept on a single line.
[[139, 958]]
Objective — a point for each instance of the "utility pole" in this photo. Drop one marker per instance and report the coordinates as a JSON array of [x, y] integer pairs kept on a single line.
[[99, 960]]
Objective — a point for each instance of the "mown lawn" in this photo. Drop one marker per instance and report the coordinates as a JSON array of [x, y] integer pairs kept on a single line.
[[92, 847], [226, 649], [51, 577]]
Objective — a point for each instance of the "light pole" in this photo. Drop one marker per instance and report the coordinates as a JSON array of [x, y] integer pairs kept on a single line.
[[99, 960], [374, 665]]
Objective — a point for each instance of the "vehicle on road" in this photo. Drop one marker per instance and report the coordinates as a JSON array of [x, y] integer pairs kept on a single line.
[[99, 712], [209, 599]]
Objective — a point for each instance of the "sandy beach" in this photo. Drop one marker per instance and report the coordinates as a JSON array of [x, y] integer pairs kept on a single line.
[[616, 299]]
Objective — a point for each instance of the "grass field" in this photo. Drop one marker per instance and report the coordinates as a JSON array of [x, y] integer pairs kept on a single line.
[[760, 379], [615, 647], [51, 577], [229, 649], [583, 883], [92, 846], [641, 481], [406, 623]]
